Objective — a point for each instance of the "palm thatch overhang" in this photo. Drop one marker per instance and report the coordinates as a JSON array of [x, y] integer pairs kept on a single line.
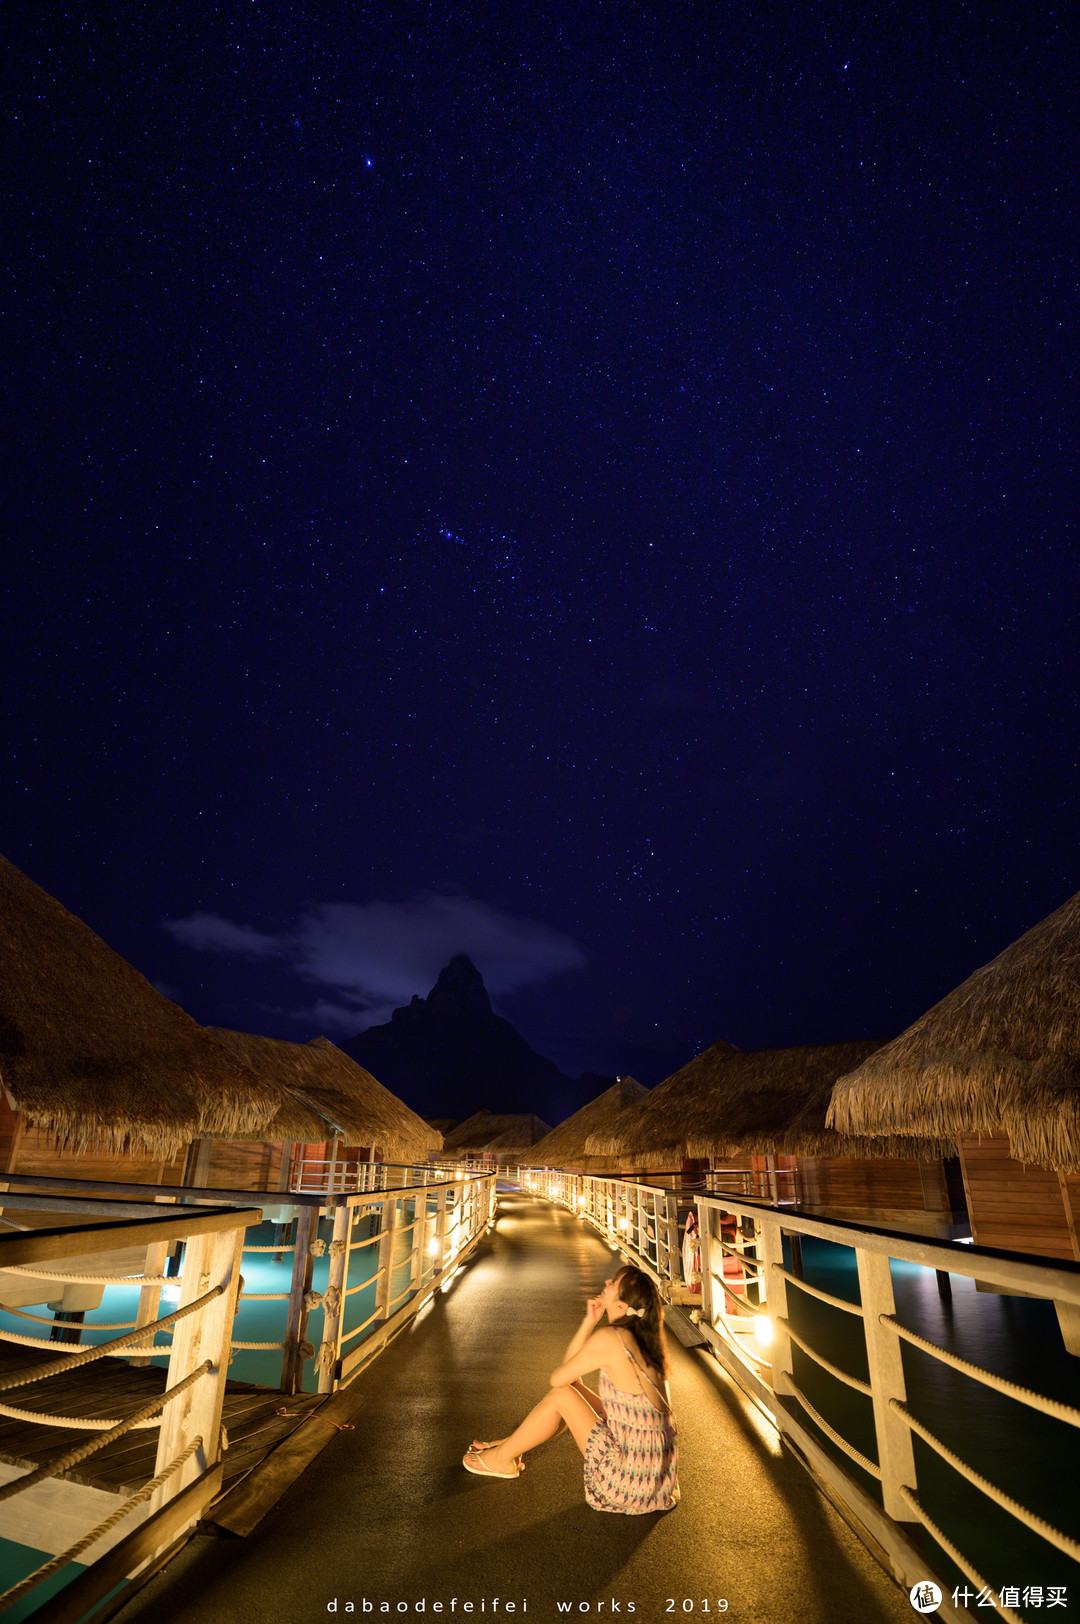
[[729, 1102], [565, 1145], [91, 1054], [321, 1091], [495, 1131], [999, 1054]]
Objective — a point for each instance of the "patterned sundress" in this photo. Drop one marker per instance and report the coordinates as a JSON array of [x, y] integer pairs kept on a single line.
[[631, 1459]]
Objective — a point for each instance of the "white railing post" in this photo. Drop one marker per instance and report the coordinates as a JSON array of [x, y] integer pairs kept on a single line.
[[439, 1259], [419, 1239], [776, 1303], [672, 1238], [704, 1212], [209, 1261], [895, 1455], [384, 1287], [334, 1299]]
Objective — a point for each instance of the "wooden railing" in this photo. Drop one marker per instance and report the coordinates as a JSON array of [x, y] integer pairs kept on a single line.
[[746, 1318], [188, 1414], [416, 1235]]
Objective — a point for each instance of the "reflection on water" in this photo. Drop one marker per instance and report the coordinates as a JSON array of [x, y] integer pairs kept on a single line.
[[1029, 1456]]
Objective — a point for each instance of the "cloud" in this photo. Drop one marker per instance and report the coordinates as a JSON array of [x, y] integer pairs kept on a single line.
[[209, 933], [375, 956]]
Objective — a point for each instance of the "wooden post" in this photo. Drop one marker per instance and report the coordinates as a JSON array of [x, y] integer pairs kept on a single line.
[[776, 1303], [384, 1285], [895, 1455], [439, 1259], [673, 1240], [334, 1301], [210, 1260], [419, 1239], [157, 1255], [332, 1168], [67, 1325], [292, 1366], [705, 1243]]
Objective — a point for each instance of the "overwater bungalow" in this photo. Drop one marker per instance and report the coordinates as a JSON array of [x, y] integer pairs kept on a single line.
[[334, 1116], [762, 1114], [497, 1136], [565, 1146], [996, 1066], [99, 1072]]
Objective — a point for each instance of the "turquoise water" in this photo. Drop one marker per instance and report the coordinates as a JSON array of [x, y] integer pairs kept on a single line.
[[1029, 1456], [16, 1562]]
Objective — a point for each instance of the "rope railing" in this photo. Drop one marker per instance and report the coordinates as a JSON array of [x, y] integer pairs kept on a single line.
[[969, 1572], [74, 1457], [23, 1378], [1030, 1519], [820, 1359], [73, 1552], [737, 1297], [39, 1319], [822, 1296], [819, 1420], [1023, 1395], [349, 1290], [40, 1272]]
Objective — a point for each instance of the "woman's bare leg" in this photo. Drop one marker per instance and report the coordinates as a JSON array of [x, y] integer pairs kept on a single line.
[[560, 1405], [579, 1387]]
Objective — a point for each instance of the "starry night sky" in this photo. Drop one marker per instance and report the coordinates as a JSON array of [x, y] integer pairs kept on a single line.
[[590, 488]]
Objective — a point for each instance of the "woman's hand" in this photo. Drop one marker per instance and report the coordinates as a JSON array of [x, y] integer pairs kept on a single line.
[[594, 1309]]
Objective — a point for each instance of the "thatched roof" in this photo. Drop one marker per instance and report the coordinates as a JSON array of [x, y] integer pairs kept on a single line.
[[765, 1101], [564, 1146], [321, 1090], [495, 1130], [1000, 1054], [91, 1053]]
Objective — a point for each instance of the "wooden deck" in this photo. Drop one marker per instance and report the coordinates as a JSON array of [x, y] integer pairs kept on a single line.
[[110, 1387]]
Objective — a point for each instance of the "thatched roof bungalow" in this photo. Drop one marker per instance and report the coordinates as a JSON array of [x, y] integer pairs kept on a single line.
[[565, 1146], [996, 1065], [494, 1133], [744, 1107], [93, 1059], [325, 1093]]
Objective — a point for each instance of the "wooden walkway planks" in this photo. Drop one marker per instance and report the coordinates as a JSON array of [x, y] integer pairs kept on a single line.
[[111, 1387]]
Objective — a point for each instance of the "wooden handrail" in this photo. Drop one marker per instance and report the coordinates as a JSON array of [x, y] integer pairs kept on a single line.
[[39, 1245]]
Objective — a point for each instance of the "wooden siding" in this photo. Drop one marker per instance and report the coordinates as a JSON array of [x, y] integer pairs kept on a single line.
[[10, 1132], [864, 1185], [1015, 1207], [37, 1152], [243, 1164]]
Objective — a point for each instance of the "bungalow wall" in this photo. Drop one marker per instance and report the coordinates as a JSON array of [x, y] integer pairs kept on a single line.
[[859, 1187], [32, 1150], [1018, 1208], [239, 1164]]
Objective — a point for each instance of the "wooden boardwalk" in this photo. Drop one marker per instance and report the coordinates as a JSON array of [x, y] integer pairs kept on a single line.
[[386, 1515]]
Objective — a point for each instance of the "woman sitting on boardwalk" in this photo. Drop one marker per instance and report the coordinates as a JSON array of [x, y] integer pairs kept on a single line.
[[627, 1433]]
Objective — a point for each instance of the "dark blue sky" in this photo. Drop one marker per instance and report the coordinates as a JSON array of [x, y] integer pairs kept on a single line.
[[592, 490]]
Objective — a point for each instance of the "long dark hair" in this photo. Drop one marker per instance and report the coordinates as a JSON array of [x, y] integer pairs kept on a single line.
[[636, 1290]]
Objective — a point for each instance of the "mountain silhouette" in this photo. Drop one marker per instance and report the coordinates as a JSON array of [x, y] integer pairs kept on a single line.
[[449, 1055]]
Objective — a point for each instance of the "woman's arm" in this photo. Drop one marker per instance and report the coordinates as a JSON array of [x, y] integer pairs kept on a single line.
[[594, 1351], [594, 1313]]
